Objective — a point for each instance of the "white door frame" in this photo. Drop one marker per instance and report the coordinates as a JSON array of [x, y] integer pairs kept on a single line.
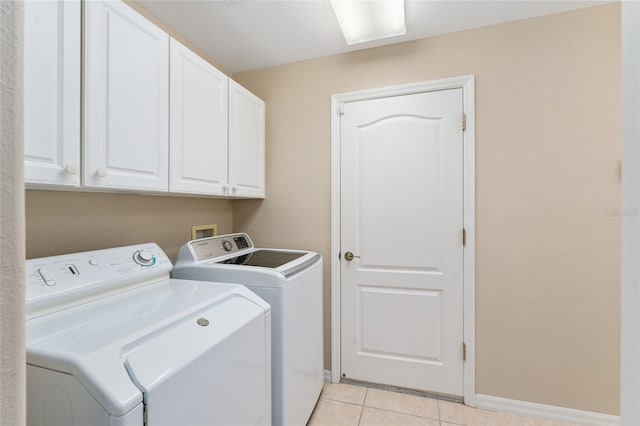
[[467, 84]]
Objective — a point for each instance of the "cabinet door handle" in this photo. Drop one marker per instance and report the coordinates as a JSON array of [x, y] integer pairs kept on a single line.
[[102, 172], [234, 188], [71, 169]]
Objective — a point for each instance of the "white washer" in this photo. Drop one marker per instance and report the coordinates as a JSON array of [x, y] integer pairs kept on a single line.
[[112, 341], [291, 282]]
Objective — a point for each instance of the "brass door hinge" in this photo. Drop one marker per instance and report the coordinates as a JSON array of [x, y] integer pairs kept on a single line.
[[464, 121], [464, 351]]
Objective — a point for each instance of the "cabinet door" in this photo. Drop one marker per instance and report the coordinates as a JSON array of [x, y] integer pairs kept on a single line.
[[198, 117], [52, 92], [126, 129], [246, 143]]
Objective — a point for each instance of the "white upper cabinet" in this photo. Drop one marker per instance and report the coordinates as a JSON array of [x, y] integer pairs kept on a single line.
[[126, 110], [52, 92], [198, 116], [156, 117], [246, 143]]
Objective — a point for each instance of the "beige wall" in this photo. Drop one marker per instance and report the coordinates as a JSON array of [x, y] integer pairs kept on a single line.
[[548, 189], [67, 222], [173, 33]]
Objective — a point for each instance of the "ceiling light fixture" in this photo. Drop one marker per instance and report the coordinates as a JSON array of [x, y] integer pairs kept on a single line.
[[367, 20]]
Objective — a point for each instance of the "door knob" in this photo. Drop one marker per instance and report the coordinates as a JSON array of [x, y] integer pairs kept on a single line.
[[350, 256]]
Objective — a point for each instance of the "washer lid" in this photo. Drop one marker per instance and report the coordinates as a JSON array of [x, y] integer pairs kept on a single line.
[[265, 258], [92, 341], [283, 261]]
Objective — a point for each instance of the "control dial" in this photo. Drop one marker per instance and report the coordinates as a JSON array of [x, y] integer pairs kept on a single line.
[[144, 258], [227, 245]]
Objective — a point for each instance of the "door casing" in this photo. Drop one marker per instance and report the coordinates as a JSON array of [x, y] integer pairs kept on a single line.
[[467, 84]]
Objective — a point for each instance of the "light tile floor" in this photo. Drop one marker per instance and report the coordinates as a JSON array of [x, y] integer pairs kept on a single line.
[[350, 405]]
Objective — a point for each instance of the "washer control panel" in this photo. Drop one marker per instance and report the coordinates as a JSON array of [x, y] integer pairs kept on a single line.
[[223, 245], [67, 279]]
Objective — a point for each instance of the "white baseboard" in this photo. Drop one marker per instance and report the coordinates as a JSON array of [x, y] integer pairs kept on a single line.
[[551, 412]]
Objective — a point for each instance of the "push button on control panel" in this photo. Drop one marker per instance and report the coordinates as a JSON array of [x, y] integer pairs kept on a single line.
[[46, 277], [241, 242]]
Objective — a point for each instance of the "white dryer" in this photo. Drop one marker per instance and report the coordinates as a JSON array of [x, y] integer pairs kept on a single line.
[[112, 341], [291, 282]]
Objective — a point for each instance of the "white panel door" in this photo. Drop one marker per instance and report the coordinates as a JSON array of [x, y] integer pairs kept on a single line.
[[198, 116], [402, 219], [126, 131], [246, 143], [52, 92]]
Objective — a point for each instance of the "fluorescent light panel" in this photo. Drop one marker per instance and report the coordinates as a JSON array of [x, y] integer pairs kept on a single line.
[[366, 20]]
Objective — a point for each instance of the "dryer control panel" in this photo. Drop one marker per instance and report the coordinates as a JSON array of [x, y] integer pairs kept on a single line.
[[220, 246], [58, 282]]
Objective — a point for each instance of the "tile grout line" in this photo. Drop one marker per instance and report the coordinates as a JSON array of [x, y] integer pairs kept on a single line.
[[336, 400], [362, 406], [404, 412], [407, 414]]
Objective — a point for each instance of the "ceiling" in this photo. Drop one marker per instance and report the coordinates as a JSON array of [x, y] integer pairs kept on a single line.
[[243, 35]]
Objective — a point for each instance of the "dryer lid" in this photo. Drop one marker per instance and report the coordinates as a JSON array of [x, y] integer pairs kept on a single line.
[[91, 341], [214, 367], [154, 359]]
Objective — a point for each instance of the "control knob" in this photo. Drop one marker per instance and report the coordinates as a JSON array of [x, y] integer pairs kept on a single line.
[[227, 245], [144, 258]]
